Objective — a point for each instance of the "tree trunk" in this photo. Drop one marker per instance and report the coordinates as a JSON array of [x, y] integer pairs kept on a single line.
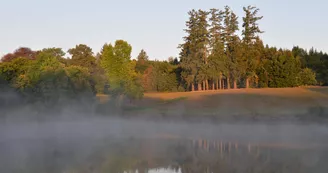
[[192, 87], [199, 87], [204, 87], [213, 85], [218, 86], [247, 82], [223, 85], [234, 84], [228, 83], [206, 82]]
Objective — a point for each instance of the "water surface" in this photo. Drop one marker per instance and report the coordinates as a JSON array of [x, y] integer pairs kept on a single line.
[[118, 146]]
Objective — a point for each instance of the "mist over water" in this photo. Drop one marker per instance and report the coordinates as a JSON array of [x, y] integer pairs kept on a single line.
[[97, 144], [73, 138]]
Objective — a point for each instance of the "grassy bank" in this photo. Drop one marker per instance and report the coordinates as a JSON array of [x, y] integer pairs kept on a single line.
[[278, 103]]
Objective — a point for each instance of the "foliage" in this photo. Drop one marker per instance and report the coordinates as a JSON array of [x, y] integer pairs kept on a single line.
[[78, 79], [57, 53], [9, 71], [120, 70], [316, 61], [22, 52], [194, 51], [233, 48], [82, 55], [46, 79], [164, 77], [142, 62], [307, 77], [283, 70], [251, 43], [211, 53]]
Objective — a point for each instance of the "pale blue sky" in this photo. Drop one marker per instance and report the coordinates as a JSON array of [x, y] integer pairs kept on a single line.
[[156, 26]]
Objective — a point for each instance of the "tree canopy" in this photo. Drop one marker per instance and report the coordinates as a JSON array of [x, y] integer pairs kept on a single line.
[[213, 56], [120, 70]]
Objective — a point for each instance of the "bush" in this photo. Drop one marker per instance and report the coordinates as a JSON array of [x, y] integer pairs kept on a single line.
[[307, 77]]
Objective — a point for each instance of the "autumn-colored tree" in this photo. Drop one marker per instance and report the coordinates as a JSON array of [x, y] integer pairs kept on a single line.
[[147, 79], [22, 52], [142, 62]]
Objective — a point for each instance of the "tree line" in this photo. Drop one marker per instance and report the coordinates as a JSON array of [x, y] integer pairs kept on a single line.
[[212, 57]]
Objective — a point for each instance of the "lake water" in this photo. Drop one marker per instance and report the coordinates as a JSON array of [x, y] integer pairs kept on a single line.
[[74, 150]]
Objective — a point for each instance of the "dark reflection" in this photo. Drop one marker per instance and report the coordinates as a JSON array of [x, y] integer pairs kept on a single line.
[[72, 148], [203, 156]]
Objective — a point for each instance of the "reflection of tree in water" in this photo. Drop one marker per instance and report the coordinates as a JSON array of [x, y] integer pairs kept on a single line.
[[218, 156], [203, 156]]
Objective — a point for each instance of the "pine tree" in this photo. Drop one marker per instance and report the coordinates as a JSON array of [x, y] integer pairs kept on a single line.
[[193, 53], [187, 53], [217, 60], [250, 37], [202, 41], [232, 46]]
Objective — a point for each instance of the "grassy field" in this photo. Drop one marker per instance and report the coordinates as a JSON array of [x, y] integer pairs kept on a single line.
[[256, 103]]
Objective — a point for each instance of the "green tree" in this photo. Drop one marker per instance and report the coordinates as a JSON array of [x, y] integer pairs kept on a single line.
[[202, 42], [232, 47], [284, 70], [120, 70], [262, 70], [217, 60], [44, 79], [48, 80], [11, 70], [316, 61], [250, 40], [82, 55], [78, 81], [194, 51], [187, 55], [308, 77], [57, 53], [164, 77]]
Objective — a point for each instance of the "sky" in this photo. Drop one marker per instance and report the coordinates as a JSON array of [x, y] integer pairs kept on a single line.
[[155, 26]]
